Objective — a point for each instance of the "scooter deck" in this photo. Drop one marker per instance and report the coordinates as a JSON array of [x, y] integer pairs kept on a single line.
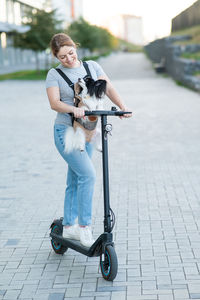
[[94, 250]]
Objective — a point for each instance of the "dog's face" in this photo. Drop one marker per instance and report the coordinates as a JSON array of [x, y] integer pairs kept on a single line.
[[94, 88]]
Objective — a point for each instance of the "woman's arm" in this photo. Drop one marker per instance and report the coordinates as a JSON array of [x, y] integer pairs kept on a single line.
[[114, 96], [53, 94]]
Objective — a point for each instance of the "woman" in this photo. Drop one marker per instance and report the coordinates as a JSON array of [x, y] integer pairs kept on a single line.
[[81, 173]]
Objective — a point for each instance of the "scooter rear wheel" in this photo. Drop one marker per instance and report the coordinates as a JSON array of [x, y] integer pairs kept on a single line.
[[109, 264], [57, 247]]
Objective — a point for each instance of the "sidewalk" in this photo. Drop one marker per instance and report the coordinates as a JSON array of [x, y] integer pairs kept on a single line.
[[154, 188]]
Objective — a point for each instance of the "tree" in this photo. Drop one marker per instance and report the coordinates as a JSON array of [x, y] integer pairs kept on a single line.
[[42, 25], [91, 37]]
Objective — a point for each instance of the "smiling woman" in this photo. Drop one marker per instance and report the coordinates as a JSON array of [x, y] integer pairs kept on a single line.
[[68, 57], [59, 40], [65, 50]]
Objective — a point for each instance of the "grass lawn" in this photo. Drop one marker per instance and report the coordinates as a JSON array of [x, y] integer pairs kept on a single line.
[[194, 31], [25, 75]]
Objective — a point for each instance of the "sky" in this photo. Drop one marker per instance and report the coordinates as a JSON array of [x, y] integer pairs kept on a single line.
[[156, 14]]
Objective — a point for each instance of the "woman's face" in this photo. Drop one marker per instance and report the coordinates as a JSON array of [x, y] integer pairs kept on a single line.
[[67, 55]]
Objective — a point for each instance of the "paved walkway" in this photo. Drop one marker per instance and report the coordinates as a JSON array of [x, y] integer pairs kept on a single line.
[[155, 191]]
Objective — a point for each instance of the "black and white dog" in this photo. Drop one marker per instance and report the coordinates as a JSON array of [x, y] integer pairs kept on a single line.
[[89, 94]]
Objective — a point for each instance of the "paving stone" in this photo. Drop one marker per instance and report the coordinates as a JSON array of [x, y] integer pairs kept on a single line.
[[118, 295], [71, 292], [102, 298], [89, 287], [11, 294], [12, 242], [45, 283], [194, 288], [56, 296], [82, 298], [143, 297], [111, 288], [181, 294], [19, 276], [194, 296], [134, 291], [61, 279], [165, 297]]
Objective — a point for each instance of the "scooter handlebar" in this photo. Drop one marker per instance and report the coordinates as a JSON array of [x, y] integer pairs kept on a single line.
[[106, 113]]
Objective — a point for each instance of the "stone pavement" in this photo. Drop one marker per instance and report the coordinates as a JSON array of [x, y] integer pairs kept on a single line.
[[154, 180]]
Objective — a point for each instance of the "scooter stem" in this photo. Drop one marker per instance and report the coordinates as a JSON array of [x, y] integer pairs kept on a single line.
[[107, 220]]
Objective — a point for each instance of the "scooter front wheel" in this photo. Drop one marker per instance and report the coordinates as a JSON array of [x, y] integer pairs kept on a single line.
[[109, 263], [57, 247]]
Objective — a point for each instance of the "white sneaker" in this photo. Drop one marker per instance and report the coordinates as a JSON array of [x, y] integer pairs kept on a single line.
[[71, 232], [86, 238]]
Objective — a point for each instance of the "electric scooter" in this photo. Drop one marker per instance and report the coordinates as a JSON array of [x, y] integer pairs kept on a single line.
[[104, 245]]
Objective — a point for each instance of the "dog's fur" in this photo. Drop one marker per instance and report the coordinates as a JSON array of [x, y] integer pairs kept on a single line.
[[89, 94]]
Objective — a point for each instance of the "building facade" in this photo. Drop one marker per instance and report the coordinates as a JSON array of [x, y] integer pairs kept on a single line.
[[67, 10], [12, 15], [126, 27]]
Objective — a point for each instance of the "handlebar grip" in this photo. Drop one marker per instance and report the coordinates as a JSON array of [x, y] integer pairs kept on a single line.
[[121, 113]]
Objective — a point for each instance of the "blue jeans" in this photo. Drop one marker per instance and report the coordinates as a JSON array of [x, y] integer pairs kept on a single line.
[[80, 180]]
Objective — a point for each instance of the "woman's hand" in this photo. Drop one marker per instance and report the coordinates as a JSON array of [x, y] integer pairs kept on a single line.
[[78, 112], [124, 108]]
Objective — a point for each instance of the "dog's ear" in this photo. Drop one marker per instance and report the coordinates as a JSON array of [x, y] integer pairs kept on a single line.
[[88, 79], [90, 84], [77, 88], [100, 88]]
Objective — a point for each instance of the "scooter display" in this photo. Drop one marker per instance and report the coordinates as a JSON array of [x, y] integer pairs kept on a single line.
[[104, 245]]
